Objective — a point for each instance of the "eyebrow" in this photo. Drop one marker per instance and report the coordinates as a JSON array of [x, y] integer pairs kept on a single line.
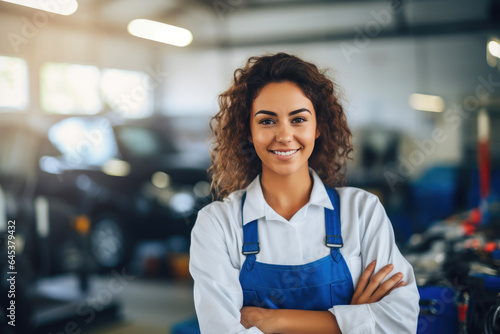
[[271, 113]]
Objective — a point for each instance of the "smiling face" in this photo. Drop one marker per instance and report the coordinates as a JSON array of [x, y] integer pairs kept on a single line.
[[283, 128]]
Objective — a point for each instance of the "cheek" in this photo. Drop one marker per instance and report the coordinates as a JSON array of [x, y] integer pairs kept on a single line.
[[308, 135], [262, 138]]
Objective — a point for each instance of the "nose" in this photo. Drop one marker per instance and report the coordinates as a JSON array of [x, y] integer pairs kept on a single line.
[[284, 133]]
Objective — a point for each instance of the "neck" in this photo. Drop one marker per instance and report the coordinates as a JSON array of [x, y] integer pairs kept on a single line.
[[286, 193]]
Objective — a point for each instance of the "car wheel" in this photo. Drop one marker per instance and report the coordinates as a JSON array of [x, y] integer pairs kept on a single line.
[[110, 244]]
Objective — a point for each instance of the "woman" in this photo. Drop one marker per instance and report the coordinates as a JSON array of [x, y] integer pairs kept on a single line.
[[283, 250]]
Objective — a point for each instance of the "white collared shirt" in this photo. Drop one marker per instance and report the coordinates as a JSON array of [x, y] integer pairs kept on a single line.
[[216, 256]]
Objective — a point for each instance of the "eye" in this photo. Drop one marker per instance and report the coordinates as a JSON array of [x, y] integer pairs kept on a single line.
[[299, 120], [266, 121]]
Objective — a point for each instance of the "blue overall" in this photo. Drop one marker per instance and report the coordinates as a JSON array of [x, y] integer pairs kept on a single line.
[[318, 285]]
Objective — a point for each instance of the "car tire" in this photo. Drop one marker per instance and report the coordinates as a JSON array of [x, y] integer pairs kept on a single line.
[[110, 242]]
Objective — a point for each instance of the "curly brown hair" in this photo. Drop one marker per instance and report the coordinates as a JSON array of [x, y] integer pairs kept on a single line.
[[234, 160]]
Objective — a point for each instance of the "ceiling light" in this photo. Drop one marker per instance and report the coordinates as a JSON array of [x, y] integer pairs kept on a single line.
[[62, 7], [160, 32], [424, 102]]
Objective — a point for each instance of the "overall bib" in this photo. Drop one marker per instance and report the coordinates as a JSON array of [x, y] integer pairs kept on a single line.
[[318, 285]]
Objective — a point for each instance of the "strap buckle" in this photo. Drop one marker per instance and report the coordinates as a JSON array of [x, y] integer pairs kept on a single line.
[[252, 249], [334, 241]]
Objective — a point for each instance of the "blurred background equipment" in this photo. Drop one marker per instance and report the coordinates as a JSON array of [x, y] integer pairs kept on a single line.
[[104, 121]]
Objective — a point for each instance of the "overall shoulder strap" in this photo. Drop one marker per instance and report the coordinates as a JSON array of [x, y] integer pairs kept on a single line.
[[332, 223], [250, 233]]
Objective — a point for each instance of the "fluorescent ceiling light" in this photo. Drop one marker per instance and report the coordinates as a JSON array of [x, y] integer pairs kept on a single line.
[[62, 7], [426, 102], [160, 32], [494, 48]]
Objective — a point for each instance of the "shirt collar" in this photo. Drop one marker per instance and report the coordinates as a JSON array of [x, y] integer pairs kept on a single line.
[[256, 207]]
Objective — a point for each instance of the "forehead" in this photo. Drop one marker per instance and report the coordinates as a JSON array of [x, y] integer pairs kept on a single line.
[[281, 96]]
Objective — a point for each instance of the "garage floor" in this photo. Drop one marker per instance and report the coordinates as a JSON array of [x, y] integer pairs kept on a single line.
[[152, 307]]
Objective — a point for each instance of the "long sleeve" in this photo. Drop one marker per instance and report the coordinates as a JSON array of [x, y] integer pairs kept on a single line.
[[218, 296], [397, 312]]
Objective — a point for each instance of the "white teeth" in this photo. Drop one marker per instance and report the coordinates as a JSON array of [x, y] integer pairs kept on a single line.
[[284, 153]]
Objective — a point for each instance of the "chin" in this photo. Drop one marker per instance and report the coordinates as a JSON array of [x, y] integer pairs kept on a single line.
[[284, 170]]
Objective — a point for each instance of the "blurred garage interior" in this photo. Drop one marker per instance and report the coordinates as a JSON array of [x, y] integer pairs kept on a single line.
[[104, 152]]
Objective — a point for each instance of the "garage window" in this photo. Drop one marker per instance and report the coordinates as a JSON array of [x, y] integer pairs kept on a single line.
[[70, 89], [13, 84], [86, 90], [127, 92]]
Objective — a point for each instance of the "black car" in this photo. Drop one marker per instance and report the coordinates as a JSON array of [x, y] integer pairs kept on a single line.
[[46, 224], [137, 183]]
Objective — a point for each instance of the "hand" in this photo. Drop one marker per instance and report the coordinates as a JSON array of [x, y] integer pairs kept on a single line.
[[370, 290], [256, 316]]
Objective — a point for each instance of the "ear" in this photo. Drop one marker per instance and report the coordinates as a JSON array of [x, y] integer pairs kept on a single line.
[[317, 134], [250, 139]]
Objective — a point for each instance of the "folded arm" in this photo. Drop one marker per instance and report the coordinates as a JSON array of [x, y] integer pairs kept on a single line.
[[396, 312]]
